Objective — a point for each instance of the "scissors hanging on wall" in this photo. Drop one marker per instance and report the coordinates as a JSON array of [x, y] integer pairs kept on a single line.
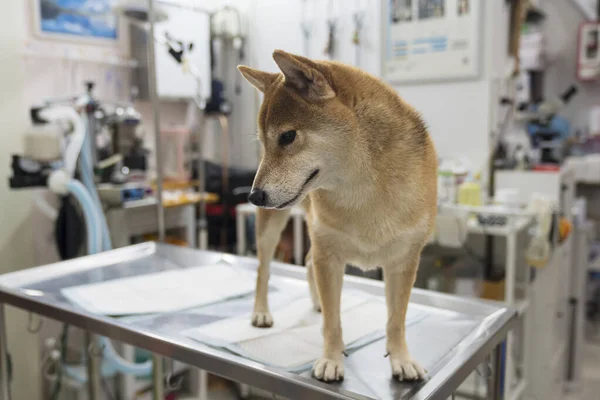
[[330, 47], [306, 26], [358, 18]]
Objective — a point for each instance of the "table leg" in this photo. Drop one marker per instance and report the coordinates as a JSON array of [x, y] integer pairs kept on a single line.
[[191, 227], [241, 250], [494, 387], [93, 365], [203, 392], [241, 232], [4, 376], [157, 378], [509, 299], [298, 240], [118, 227], [127, 381], [203, 234]]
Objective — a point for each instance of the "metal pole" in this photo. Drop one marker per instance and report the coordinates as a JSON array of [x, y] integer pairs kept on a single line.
[[156, 117], [203, 224], [4, 376], [510, 280], [494, 387], [157, 373], [298, 239], [157, 378], [94, 383]]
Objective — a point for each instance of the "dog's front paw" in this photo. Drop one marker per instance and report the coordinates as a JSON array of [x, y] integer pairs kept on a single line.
[[407, 369], [328, 370], [262, 319]]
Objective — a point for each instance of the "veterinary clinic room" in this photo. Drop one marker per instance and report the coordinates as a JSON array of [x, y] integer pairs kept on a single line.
[[300, 200]]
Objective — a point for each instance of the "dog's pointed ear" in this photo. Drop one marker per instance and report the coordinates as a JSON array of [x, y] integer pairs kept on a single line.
[[301, 74], [259, 79]]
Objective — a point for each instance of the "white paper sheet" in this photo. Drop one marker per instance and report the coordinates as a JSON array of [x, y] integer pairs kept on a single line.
[[301, 346], [164, 291], [299, 313], [295, 340]]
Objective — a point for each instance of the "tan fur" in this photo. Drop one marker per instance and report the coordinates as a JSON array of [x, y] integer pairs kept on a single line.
[[372, 203]]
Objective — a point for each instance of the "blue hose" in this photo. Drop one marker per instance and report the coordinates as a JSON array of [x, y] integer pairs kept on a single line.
[[87, 177], [117, 363], [77, 189]]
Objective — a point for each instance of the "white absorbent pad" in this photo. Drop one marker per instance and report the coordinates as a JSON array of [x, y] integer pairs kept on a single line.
[[295, 340], [163, 291]]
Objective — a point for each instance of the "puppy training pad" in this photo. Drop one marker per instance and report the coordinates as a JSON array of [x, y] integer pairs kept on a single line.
[[164, 291], [295, 340]]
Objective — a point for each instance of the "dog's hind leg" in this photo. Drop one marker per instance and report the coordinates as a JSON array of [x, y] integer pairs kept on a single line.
[[399, 279], [269, 225]]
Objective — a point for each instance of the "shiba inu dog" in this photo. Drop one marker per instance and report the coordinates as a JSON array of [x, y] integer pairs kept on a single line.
[[360, 161]]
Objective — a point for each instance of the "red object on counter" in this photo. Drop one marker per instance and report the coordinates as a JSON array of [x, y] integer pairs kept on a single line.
[[547, 168]]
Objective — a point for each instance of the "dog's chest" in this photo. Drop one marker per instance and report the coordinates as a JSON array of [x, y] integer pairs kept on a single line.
[[366, 243]]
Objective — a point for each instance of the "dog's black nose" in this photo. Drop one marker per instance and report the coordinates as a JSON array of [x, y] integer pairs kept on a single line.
[[258, 197]]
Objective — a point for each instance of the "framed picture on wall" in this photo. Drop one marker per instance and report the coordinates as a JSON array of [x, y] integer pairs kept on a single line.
[[431, 40], [82, 21]]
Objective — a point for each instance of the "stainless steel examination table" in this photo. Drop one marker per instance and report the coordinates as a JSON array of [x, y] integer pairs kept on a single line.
[[458, 336]]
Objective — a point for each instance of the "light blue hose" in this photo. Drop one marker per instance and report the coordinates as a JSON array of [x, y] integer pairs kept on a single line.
[[117, 363], [87, 177], [79, 191]]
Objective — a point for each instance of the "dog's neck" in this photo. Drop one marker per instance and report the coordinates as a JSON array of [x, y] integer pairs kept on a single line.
[[350, 185], [383, 147]]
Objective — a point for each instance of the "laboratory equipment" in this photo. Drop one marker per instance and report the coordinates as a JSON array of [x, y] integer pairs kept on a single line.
[[547, 130], [119, 143], [59, 177], [116, 195]]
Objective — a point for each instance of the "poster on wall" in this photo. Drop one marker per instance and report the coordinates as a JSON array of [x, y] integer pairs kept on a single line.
[[88, 21], [431, 40]]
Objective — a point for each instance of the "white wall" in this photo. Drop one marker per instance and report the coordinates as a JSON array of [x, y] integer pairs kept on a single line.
[[15, 221], [460, 114], [15, 237]]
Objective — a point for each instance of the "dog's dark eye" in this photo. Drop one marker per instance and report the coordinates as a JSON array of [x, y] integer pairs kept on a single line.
[[287, 138]]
